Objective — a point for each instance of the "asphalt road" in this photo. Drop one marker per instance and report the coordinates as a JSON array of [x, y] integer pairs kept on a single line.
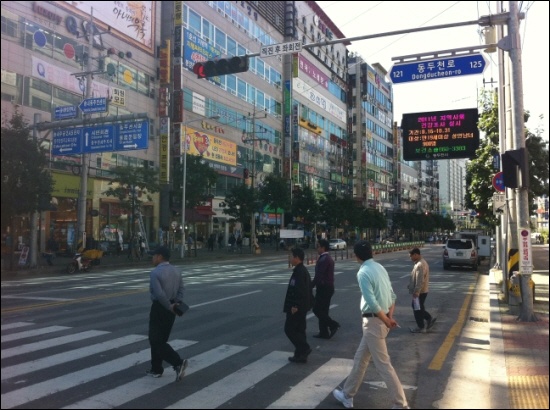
[[81, 340]]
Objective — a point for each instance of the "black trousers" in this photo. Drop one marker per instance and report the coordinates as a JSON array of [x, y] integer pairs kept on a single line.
[[295, 330], [321, 309], [422, 314], [160, 326]]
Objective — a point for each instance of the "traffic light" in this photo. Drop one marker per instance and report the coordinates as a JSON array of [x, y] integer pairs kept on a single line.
[[512, 161], [223, 66]]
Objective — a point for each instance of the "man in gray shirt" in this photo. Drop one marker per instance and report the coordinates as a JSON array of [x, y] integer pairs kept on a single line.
[[166, 289]]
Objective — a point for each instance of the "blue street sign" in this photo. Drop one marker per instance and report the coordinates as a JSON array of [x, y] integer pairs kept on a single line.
[[446, 67], [127, 136], [98, 138], [132, 136], [65, 112], [67, 141], [93, 105]]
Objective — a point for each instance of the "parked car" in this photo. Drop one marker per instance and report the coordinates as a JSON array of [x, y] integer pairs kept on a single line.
[[460, 252], [337, 244]]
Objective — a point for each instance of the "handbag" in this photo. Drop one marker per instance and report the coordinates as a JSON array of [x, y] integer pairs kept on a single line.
[[181, 308]]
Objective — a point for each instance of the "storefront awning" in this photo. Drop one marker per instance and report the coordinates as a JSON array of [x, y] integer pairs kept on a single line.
[[198, 214]]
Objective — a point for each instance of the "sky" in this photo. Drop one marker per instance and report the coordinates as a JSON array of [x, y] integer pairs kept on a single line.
[[360, 18]]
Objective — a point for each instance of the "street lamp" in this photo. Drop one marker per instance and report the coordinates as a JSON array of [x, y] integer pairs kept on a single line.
[[183, 188]]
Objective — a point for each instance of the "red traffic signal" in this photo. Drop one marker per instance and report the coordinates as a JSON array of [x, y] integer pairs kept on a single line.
[[223, 66]]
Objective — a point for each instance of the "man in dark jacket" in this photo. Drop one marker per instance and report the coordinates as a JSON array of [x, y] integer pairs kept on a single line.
[[297, 303], [323, 281]]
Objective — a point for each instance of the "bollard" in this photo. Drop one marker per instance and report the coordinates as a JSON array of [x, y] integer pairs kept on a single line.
[[514, 292]]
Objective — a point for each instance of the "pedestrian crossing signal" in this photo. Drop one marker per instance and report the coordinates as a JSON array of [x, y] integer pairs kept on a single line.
[[223, 66]]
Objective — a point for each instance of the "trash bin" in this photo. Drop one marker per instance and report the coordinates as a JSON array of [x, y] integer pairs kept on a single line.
[[246, 241]]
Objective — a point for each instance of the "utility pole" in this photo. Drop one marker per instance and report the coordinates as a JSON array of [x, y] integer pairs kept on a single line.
[[522, 195], [83, 193], [253, 140], [34, 247]]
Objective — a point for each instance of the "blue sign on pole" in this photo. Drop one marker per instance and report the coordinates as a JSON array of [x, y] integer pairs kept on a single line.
[[125, 136], [98, 138], [67, 141], [446, 67], [132, 135], [65, 112], [93, 105]]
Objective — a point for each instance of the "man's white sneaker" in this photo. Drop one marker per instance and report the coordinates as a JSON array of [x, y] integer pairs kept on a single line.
[[180, 370], [418, 330], [339, 395]]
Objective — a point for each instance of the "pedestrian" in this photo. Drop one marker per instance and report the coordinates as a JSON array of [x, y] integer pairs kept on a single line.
[[166, 289], [418, 287], [296, 305], [323, 282], [220, 240], [377, 306], [51, 249], [211, 242], [232, 241], [141, 246]]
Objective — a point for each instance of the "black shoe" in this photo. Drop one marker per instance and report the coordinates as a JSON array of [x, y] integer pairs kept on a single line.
[[297, 359], [307, 353], [320, 336], [333, 330]]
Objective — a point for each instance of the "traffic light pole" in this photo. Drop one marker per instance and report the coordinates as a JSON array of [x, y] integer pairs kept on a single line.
[[522, 195]]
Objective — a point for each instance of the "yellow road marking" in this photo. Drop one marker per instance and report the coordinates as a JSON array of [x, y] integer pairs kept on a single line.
[[443, 351], [68, 302]]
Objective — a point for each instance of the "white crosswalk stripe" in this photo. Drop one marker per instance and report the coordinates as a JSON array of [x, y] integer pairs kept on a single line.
[[31, 333], [309, 392], [225, 389], [49, 361], [133, 390], [66, 381], [45, 344]]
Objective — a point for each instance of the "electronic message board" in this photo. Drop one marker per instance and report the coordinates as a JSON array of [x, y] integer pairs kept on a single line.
[[440, 134]]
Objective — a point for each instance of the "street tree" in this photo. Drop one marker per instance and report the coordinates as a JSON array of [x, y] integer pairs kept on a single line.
[[339, 211], [240, 203], [26, 181], [131, 186], [199, 178], [305, 206], [274, 193], [480, 171]]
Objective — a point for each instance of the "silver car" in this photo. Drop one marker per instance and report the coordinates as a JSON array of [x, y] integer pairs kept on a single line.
[[460, 252], [337, 244]]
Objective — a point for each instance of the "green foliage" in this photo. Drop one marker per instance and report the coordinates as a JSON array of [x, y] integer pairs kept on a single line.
[[240, 203], [339, 212], [198, 179], [274, 193], [479, 172], [26, 181], [305, 206], [130, 185]]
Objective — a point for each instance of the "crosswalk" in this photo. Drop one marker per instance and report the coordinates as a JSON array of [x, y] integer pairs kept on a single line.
[[49, 367]]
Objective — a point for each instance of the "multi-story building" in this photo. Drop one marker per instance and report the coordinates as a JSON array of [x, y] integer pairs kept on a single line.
[[286, 114], [372, 135], [46, 54]]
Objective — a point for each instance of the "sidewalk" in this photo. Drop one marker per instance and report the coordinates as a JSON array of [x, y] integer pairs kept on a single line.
[[519, 350]]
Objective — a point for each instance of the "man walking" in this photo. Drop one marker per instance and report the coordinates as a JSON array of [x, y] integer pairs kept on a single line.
[[296, 305], [418, 288], [377, 306], [166, 289], [323, 281]]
